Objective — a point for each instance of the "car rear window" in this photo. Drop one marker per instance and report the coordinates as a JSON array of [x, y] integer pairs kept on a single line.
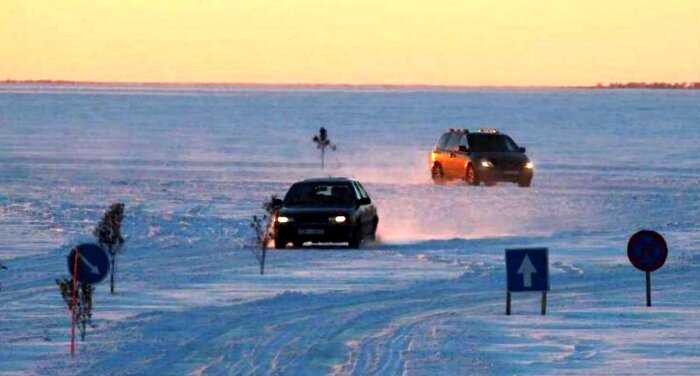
[[320, 194]]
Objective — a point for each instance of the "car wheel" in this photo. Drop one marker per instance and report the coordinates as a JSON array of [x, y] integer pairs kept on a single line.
[[525, 182], [470, 177], [437, 174], [373, 234], [356, 239], [280, 243]]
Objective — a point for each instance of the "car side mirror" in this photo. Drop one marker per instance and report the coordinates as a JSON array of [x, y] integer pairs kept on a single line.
[[364, 201], [521, 149], [463, 149], [277, 203]]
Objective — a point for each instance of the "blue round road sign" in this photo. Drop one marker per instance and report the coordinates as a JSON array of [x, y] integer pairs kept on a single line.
[[93, 263], [647, 250]]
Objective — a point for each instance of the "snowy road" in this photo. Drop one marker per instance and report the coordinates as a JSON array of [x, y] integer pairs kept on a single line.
[[427, 299]]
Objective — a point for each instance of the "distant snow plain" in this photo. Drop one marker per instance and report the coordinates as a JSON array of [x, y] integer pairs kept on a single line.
[[428, 298]]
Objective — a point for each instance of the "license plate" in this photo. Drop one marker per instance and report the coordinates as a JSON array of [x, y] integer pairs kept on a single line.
[[512, 172], [311, 231]]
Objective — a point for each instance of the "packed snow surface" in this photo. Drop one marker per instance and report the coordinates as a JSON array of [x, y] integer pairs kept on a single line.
[[428, 298]]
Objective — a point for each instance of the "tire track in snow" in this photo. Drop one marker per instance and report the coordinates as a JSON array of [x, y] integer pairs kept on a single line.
[[290, 334]]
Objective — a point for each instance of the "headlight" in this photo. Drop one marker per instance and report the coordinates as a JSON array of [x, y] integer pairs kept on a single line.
[[282, 219], [338, 219], [529, 165], [486, 163]]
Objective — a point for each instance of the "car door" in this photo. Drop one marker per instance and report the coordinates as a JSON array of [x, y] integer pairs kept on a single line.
[[439, 152], [365, 214], [462, 156], [451, 160], [371, 212]]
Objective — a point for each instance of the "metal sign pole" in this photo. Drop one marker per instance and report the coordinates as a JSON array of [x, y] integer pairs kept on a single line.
[[544, 303], [508, 303], [648, 289]]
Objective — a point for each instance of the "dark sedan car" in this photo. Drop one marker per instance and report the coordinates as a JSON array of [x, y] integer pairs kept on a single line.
[[326, 210], [485, 156]]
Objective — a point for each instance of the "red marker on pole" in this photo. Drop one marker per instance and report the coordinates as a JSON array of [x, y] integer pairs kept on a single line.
[[75, 301]]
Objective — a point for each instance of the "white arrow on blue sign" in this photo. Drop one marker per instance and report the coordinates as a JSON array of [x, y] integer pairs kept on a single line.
[[92, 263], [527, 269]]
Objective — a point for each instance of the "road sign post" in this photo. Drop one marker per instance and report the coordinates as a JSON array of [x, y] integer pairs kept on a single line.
[[647, 251], [527, 269], [87, 264]]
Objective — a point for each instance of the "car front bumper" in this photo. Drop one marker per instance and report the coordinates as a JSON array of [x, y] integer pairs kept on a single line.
[[496, 174], [314, 232]]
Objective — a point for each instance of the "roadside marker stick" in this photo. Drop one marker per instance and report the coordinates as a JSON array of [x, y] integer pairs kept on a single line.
[[75, 299]]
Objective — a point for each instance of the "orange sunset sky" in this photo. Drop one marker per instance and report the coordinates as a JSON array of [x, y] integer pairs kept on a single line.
[[467, 42]]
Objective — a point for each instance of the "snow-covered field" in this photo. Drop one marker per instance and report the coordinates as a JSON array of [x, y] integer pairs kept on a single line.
[[428, 298]]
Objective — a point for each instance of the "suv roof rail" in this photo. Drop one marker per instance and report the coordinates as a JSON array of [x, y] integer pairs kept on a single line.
[[488, 130], [465, 130]]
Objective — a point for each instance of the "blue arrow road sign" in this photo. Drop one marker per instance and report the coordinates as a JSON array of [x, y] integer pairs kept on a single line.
[[93, 263], [528, 269]]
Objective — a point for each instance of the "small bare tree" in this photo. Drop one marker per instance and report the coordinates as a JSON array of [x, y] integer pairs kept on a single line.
[[2, 267], [264, 229], [322, 142], [109, 236], [82, 312]]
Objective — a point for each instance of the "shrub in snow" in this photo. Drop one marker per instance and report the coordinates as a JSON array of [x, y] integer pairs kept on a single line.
[[109, 236], [82, 312], [322, 142], [263, 227], [2, 267]]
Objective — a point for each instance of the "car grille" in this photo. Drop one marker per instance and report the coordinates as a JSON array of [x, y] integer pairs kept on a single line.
[[508, 165], [310, 218]]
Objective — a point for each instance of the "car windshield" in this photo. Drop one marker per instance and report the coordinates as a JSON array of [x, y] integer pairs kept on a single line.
[[320, 195], [491, 142]]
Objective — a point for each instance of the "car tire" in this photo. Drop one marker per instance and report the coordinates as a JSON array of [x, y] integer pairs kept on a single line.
[[356, 238], [525, 182], [373, 234], [280, 243], [470, 176], [437, 174]]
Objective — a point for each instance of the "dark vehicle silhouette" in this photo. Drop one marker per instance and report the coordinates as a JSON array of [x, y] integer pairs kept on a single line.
[[325, 210], [485, 156]]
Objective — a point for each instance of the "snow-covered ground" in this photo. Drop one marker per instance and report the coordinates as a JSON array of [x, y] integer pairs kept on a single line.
[[428, 298]]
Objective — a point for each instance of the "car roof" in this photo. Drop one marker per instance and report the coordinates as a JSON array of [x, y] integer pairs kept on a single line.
[[329, 179], [480, 130]]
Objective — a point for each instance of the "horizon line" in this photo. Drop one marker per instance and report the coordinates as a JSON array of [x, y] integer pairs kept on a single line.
[[320, 85], [306, 85]]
